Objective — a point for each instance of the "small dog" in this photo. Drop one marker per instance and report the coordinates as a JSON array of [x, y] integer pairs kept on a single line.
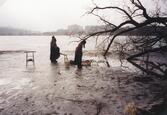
[[87, 63], [71, 62]]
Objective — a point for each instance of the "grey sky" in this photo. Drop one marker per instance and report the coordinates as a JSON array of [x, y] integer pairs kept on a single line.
[[50, 15], [44, 15]]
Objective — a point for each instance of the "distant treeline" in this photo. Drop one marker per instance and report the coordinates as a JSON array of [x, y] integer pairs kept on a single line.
[[148, 30], [5, 31], [76, 29]]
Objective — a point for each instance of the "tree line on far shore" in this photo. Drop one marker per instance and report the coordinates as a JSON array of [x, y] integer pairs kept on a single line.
[[79, 30]]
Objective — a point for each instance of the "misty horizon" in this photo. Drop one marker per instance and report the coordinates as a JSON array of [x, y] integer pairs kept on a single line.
[[51, 15], [65, 28], [42, 15]]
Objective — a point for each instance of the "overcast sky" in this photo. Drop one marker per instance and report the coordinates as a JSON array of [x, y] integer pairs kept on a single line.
[[50, 15], [44, 15]]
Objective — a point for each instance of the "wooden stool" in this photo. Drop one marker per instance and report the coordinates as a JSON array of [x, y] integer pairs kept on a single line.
[[30, 57]]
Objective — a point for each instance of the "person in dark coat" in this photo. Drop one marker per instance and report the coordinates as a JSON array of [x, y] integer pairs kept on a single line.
[[78, 54], [54, 50]]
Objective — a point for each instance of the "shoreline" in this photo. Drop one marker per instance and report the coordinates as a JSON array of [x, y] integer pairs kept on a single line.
[[56, 89]]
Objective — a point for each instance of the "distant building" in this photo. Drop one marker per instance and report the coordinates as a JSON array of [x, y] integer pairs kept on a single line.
[[90, 29], [61, 32], [75, 29]]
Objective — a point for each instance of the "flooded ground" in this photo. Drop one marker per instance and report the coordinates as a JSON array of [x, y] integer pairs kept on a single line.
[[54, 89]]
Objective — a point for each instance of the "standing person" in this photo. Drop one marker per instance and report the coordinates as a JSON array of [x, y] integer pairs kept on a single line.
[[78, 54], [54, 50]]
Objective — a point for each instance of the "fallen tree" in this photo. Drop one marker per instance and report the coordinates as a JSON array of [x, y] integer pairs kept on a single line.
[[135, 16]]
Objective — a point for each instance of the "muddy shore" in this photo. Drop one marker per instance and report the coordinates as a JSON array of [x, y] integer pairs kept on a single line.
[[55, 89]]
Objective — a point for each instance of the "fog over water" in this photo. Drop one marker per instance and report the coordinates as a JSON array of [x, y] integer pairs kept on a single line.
[[41, 44], [46, 88], [44, 15], [50, 15], [60, 88]]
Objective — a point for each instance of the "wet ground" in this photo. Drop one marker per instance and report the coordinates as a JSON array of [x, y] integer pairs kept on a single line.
[[53, 89]]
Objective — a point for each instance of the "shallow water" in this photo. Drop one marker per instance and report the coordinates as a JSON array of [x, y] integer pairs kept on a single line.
[[46, 87], [56, 89], [13, 62], [65, 43], [41, 44]]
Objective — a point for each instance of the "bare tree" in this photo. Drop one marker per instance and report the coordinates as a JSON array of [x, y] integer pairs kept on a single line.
[[136, 16]]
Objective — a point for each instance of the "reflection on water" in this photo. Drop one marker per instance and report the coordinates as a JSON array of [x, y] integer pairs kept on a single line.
[[46, 86], [40, 42], [13, 62], [5, 81], [44, 73]]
